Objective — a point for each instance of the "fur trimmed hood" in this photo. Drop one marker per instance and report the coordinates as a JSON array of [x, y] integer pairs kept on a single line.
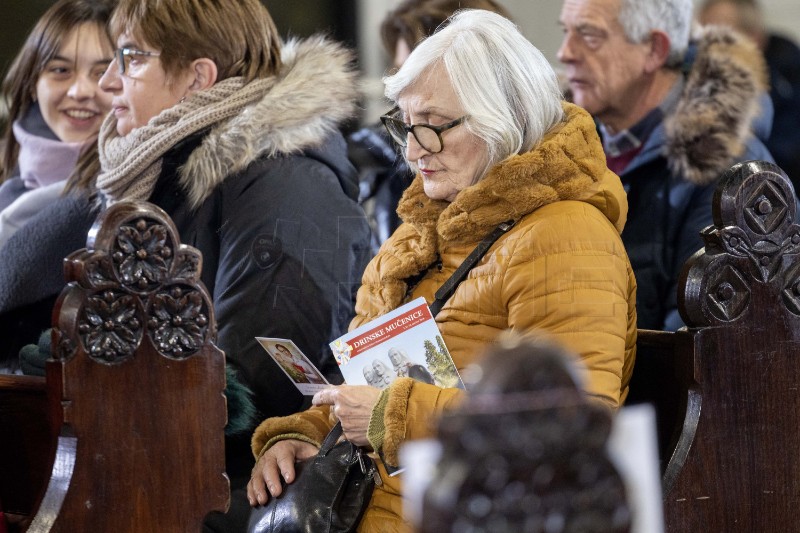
[[568, 164], [314, 93], [714, 117]]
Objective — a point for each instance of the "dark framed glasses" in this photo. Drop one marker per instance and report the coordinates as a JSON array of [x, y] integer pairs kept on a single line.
[[427, 136], [124, 56]]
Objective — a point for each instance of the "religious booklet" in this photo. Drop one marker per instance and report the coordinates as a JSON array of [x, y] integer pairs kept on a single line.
[[403, 343]]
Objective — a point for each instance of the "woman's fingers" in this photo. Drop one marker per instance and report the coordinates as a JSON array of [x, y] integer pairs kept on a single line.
[[257, 486], [277, 463], [266, 478], [352, 405]]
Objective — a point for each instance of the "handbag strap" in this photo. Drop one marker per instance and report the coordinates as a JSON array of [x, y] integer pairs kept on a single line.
[[449, 287], [367, 465], [330, 440]]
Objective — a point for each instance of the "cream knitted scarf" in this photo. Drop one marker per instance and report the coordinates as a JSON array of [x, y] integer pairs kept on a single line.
[[130, 165]]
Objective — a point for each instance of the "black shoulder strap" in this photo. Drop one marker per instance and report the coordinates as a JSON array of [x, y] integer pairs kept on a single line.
[[331, 439], [449, 286]]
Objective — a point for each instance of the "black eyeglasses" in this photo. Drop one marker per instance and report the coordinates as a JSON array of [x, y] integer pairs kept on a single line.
[[429, 137], [124, 57]]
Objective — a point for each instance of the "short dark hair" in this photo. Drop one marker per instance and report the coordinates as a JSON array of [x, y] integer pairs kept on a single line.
[[238, 35], [413, 20]]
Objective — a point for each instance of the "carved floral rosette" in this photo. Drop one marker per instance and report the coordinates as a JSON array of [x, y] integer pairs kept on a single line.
[[133, 281], [752, 246]]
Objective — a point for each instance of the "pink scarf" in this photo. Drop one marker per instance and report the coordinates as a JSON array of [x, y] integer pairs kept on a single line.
[[44, 161]]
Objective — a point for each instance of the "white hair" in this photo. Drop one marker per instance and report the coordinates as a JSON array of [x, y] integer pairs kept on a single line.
[[674, 17], [503, 82]]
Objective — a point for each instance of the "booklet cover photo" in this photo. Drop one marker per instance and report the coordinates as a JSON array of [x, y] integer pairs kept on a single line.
[[403, 343]]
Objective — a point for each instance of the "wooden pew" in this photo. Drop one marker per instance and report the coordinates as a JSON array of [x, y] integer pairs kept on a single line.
[[26, 444], [127, 435], [659, 378], [728, 397], [725, 387]]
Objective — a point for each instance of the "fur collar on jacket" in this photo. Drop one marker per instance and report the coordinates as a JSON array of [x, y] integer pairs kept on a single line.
[[295, 114], [714, 117], [569, 164]]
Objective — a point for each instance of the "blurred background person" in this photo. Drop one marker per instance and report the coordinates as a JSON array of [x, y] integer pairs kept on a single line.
[[383, 173], [414, 20], [672, 118], [525, 416], [55, 111], [483, 123], [783, 60]]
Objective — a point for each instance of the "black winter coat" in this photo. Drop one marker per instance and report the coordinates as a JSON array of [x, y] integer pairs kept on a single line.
[[284, 244]]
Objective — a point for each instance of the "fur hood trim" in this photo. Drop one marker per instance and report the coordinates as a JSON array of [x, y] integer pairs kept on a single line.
[[713, 119], [315, 91], [568, 164]]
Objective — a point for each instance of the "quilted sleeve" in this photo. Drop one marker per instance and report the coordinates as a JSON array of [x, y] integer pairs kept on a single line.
[[568, 275]]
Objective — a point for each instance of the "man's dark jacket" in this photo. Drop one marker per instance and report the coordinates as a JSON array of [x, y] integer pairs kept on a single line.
[[671, 182]]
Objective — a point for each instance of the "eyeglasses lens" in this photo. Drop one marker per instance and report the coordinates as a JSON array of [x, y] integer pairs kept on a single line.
[[427, 138]]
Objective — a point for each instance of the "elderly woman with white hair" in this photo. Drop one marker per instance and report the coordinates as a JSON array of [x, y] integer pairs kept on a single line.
[[496, 151]]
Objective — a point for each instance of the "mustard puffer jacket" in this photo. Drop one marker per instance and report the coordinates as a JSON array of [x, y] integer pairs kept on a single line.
[[561, 269]]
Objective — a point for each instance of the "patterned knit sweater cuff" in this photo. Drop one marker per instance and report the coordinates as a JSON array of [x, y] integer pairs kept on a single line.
[[376, 430]]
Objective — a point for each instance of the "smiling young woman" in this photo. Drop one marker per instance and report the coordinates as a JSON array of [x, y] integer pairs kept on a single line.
[[70, 100], [55, 107]]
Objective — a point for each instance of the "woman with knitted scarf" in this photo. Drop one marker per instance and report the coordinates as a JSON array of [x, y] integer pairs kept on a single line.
[[497, 152], [218, 123], [228, 129]]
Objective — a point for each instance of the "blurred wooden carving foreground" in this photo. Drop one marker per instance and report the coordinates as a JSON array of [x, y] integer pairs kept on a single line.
[[135, 391]]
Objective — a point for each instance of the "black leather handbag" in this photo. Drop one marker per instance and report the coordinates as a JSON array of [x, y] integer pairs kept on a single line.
[[330, 492]]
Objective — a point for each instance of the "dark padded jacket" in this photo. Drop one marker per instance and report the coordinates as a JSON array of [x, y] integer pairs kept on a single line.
[[671, 182]]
